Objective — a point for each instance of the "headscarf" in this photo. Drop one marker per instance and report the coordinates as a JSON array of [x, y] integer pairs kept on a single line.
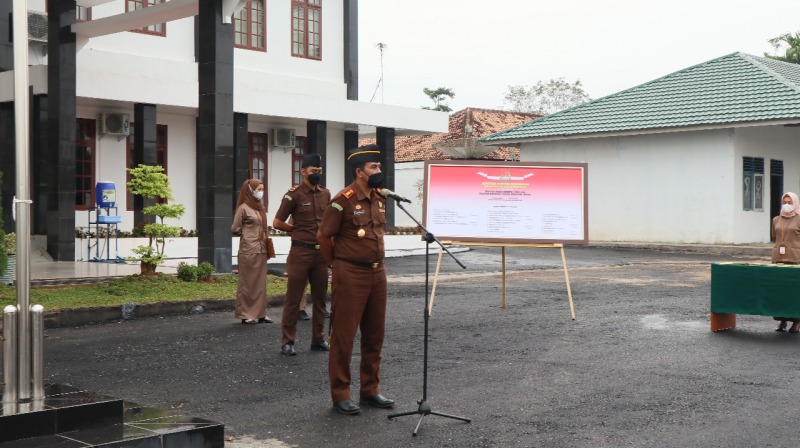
[[246, 197], [795, 202]]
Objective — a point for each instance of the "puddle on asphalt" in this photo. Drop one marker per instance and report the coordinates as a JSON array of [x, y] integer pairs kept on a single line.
[[659, 322]]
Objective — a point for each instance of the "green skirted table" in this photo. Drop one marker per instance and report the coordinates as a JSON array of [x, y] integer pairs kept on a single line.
[[759, 289]]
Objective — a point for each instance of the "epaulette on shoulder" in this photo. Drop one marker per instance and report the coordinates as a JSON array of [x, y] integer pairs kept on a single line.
[[348, 193], [294, 188]]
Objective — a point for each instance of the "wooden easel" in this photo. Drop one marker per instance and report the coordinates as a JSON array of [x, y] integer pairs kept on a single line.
[[503, 246]]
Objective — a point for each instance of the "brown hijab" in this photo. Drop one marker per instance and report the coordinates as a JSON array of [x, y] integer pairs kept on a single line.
[[246, 197]]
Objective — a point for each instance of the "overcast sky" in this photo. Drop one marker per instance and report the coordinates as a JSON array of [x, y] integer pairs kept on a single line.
[[479, 48]]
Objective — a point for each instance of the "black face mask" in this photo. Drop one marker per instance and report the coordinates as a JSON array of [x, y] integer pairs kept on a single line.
[[314, 179], [375, 181]]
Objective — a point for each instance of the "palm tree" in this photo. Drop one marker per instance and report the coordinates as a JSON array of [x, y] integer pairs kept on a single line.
[[792, 53]]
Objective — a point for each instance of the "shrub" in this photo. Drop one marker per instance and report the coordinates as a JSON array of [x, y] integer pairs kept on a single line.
[[187, 272], [3, 256], [205, 270]]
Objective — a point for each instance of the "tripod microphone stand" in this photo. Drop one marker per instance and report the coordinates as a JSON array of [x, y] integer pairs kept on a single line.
[[424, 407]]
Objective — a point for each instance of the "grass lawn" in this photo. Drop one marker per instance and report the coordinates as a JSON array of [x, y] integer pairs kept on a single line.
[[133, 289]]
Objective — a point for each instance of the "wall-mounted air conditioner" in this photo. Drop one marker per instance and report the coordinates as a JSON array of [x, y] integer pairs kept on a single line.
[[37, 27], [282, 137], [115, 124]]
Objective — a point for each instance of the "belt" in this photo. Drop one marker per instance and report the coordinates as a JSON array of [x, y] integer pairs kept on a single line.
[[364, 264], [307, 246]]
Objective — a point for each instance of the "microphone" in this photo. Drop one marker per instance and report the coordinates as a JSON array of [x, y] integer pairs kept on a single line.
[[387, 193]]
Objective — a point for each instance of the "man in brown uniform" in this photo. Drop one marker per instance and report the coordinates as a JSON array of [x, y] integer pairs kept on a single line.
[[351, 238], [306, 203]]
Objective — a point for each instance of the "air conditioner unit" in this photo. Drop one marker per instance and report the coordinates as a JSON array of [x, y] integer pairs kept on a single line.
[[282, 137], [115, 124], [37, 27]]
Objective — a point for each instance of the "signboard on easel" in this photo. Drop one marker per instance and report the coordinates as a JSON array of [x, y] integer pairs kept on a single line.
[[498, 203]]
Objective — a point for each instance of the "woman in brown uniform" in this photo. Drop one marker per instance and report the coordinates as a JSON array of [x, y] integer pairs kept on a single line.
[[786, 234], [249, 223]]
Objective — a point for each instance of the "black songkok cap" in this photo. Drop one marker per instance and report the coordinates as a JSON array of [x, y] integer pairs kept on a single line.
[[369, 153], [312, 160]]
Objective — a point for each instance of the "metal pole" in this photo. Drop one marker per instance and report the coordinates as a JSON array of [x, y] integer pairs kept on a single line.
[[37, 329], [10, 354], [23, 209]]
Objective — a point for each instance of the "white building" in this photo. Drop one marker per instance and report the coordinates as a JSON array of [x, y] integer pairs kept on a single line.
[[294, 66], [702, 155]]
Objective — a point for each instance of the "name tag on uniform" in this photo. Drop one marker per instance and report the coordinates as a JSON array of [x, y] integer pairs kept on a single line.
[[359, 212], [382, 210], [782, 250], [305, 204]]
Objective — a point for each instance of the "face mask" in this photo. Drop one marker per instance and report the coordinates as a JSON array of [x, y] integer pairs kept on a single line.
[[258, 195], [314, 179], [787, 208], [375, 181]]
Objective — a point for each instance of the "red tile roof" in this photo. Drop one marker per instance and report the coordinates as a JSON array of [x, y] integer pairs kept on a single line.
[[413, 148]]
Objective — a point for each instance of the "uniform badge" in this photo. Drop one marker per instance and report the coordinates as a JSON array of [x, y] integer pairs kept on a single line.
[[362, 233], [348, 193], [359, 212], [380, 204], [337, 207], [288, 197], [358, 207], [305, 204], [294, 188]]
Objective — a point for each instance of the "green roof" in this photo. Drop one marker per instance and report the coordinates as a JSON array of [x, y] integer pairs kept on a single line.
[[735, 88]]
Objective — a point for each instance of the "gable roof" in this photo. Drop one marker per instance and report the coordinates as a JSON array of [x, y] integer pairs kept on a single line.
[[413, 148], [736, 88]]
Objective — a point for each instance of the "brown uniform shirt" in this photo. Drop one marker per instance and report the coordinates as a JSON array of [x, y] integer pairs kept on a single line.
[[351, 210], [306, 206], [786, 232], [247, 224]]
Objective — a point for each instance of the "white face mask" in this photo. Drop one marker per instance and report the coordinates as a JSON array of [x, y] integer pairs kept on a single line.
[[787, 208], [258, 195]]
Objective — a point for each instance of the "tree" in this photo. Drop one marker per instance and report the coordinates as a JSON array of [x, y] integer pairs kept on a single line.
[[438, 96], [545, 98], [792, 54], [151, 182]]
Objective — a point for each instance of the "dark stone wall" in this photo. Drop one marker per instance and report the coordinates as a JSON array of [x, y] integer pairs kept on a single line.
[[215, 168], [61, 119], [145, 152], [41, 167], [351, 48], [350, 142], [6, 46], [241, 160], [385, 140], [8, 162], [317, 135]]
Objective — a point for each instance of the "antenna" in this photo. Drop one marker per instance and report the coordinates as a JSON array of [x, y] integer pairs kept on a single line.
[[380, 46]]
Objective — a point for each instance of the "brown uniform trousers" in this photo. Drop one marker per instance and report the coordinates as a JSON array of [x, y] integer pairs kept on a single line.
[[359, 300], [305, 265]]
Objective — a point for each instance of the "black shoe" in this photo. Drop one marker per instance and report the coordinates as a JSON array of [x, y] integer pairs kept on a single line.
[[327, 314], [780, 329], [288, 350], [320, 346], [248, 322], [302, 315], [793, 331], [264, 320], [346, 407], [378, 401]]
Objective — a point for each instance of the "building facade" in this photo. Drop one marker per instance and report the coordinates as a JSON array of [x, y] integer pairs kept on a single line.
[[206, 100]]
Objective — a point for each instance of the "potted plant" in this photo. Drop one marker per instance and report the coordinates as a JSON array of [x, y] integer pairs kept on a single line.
[[10, 248]]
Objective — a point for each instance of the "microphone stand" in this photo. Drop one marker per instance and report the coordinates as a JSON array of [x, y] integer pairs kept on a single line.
[[424, 408]]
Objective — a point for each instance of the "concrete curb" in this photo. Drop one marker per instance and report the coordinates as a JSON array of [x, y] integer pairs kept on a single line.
[[712, 249], [72, 317]]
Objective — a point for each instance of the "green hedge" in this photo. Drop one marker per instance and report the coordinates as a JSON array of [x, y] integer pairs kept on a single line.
[[3, 255]]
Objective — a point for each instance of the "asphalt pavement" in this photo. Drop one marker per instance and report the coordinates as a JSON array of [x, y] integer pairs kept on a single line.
[[638, 367]]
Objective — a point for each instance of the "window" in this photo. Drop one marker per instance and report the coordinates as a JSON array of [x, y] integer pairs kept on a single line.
[[307, 29], [257, 154], [753, 183], [84, 163], [83, 14], [161, 158], [297, 159], [156, 30], [249, 27]]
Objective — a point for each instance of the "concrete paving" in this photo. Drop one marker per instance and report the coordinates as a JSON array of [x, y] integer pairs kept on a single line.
[[638, 367]]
